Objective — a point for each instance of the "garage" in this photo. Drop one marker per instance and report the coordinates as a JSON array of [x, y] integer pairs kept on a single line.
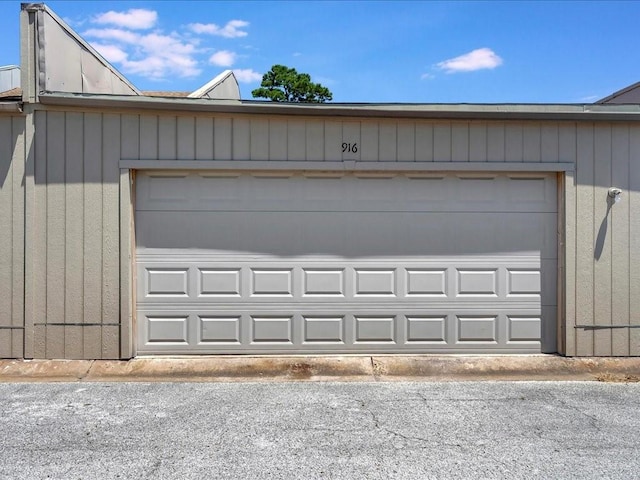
[[345, 262]]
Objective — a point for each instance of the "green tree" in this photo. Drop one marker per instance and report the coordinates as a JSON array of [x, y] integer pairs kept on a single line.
[[284, 84]]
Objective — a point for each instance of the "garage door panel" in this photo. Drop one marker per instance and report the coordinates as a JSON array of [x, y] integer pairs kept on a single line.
[[345, 235], [375, 331], [293, 264], [286, 192], [192, 280]]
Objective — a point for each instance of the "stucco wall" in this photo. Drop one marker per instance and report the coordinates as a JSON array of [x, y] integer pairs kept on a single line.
[[78, 285]]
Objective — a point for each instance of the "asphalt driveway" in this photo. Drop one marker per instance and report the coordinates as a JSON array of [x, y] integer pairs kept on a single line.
[[312, 430]]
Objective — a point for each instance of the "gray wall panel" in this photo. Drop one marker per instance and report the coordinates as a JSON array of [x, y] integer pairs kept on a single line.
[[278, 139], [406, 143], [12, 167], [74, 148], [513, 142], [148, 137], [460, 142], [241, 137], [204, 138], [110, 236], [74, 233], [314, 141], [620, 253], [131, 137], [634, 240], [602, 240], [93, 222], [424, 142], [185, 138], [585, 228]]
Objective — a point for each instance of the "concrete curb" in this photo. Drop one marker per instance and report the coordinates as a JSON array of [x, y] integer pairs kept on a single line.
[[326, 368]]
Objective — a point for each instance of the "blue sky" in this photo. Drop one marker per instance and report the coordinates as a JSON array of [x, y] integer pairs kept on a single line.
[[367, 51]]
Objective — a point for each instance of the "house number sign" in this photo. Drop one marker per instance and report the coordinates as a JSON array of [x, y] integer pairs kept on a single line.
[[349, 147]]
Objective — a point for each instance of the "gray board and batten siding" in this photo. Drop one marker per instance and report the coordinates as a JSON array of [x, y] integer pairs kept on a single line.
[[79, 205], [73, 153], [12, 244]]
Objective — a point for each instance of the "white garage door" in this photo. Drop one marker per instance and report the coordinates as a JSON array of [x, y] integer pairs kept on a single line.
[[294, 263]]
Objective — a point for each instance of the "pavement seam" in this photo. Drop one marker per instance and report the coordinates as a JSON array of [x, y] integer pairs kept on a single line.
[[87, 371], [373, 370]]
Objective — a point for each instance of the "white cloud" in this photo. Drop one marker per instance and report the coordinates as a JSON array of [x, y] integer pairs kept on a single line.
[[427, 76], [112, 34], [231, 30], [247, 75], [112, 53], [153, 55], [134, 18], [223, 58], [480, 59], [120, 37]]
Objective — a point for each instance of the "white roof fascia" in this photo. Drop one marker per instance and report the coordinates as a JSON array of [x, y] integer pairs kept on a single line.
[[210, 86]]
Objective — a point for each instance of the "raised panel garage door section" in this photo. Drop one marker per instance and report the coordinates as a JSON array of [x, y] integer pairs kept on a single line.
[[289, 263]]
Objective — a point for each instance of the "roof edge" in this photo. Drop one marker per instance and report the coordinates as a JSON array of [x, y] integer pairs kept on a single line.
[[211, 85], [35, 7], [618, 93], [426, 111]]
